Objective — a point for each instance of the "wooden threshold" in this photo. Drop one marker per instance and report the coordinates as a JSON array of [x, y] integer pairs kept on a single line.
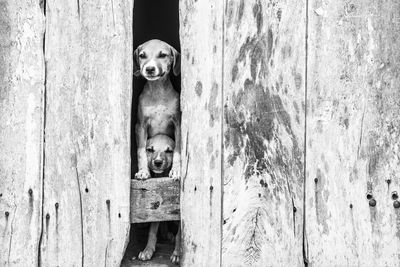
[[155, 200]]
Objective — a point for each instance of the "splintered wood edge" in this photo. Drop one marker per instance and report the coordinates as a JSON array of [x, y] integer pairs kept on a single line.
[[155, 200]]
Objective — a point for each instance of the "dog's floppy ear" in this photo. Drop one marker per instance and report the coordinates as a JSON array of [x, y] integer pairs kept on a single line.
[[136, 66], [176, 65]]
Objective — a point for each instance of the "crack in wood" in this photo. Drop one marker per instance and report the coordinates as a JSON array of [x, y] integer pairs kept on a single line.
[[80, 205], [11, 236], [43, 5]]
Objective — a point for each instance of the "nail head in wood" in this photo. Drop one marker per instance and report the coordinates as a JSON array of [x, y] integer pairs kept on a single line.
[[372, 202]]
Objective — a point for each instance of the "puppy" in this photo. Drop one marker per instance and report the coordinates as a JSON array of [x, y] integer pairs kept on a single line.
[[159, 151], [158, 107]]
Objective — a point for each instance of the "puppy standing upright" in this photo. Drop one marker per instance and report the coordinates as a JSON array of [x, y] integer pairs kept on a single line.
[[159, 108], [158, 114]]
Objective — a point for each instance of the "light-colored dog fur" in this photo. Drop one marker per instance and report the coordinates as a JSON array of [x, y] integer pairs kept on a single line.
[[158, 114]]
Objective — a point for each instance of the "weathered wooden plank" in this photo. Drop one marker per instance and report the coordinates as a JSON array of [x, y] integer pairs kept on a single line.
[[201, 42], [353, 133], [155, 200], [21, 116], [87, 164], [264, 77]]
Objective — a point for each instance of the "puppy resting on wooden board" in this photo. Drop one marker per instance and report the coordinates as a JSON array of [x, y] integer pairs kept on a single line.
[[158, 125]]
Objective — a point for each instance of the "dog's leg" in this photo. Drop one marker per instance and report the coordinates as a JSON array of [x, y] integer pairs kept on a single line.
[[141, 139], [175, 257], [176, 161], [147, 253]]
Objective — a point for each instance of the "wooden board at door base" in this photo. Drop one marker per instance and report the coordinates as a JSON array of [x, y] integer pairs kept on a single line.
[[353, 134], [155, 200]]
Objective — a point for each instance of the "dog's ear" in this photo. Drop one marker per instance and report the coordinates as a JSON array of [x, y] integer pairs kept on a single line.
[[176, 65], [136, 66]]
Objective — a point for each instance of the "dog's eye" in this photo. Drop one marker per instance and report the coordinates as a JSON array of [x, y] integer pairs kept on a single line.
[[162, 55], [169, 150], [142, 55], [150, 150]]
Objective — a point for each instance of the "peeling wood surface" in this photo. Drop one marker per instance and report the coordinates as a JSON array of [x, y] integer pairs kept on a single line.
[[154, 200], [21, 116], [201, 42], [87, 159], [264, 78], [353, 133]]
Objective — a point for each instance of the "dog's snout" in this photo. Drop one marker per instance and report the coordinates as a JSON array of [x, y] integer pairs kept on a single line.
[[158, 162], [150, 69]]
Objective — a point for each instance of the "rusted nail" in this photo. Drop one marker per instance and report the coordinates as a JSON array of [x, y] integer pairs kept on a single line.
[[119, 215], [369, 195], [396, 204], [6, 213], [211, 188], [395, 195], [108, 202], [351, 206], [388, 181], [47, 216], [56, 205], [87, 190], [294, 209], [315, 180], [30, 192], [372, 202]]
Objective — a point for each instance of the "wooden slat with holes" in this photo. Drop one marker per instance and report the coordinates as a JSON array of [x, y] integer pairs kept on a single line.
[[155, 200], [21, 119], [353, 133]]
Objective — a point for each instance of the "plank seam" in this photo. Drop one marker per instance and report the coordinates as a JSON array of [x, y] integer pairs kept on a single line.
[[42, 6], [222, 129], [304, 243]]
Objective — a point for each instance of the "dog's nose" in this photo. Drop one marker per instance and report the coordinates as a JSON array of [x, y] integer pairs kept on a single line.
[[157, 162], [150, 70]]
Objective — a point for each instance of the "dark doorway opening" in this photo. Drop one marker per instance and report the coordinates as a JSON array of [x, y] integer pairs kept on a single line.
[[152, 19]]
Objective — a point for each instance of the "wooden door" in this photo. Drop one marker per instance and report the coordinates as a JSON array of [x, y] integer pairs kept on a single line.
[[65, 132], [88, 53], [353, 133]]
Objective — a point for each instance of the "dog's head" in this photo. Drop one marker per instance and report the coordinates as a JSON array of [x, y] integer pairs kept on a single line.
[[159, 150], [154, 59]]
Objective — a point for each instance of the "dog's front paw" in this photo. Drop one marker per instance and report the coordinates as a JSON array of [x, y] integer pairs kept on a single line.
[[175, 257], [142, 174], [175, 173], [146, 254]]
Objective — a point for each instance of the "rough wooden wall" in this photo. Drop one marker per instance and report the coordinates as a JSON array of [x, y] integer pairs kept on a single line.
[[21, 117], [353, 133], [88, 52], [201, 42], [264, 75]]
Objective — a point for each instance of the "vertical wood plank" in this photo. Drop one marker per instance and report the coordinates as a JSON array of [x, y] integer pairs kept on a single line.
[[21, 115], [353, 133], [87, 156], [264, 76], [201, 42]]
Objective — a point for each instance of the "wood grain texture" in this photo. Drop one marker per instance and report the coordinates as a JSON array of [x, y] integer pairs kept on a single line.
[[87, 159], [353, 133], [201, 42], [264, 74], [155, 200], [21, 116]]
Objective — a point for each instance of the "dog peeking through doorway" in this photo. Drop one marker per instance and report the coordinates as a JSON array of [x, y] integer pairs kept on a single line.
[[158, 130]]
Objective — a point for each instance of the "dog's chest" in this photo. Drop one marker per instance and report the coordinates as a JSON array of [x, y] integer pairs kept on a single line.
[[159, 110]]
